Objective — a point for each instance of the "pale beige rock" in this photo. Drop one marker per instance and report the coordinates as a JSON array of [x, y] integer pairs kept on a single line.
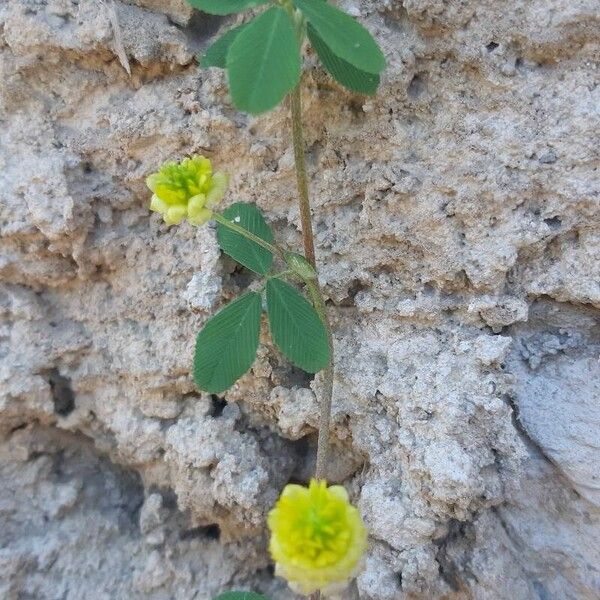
[[457, 226]]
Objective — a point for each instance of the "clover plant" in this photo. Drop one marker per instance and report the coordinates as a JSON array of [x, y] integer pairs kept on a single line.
[[317, 536]]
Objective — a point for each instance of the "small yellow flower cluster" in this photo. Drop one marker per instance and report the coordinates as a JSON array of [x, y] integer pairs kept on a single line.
[[187, 190], [317, 537]]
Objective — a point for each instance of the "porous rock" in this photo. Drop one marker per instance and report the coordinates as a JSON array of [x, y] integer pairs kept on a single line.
[[456, 217]]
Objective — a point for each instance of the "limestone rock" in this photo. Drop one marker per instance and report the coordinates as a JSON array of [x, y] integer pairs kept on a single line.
[[457, 223]]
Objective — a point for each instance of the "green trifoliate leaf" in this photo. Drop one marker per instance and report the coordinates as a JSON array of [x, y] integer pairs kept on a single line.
[[226, 346], [345, 37], [224, 7], [241, 596], [245, 251], [349, 76], [216, 55], [296, 327], [264, 62]]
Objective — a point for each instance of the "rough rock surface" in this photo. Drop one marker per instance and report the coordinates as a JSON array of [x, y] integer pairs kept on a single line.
[[457, 219]]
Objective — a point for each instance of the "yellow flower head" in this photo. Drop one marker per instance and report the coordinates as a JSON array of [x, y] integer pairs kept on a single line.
[[317, 537], [188, 189]]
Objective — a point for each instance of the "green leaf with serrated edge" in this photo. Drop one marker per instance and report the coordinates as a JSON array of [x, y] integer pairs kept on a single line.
[[226, 345], [350, 77], [346, 38], [296, 327], [224, 7], [245, 251], [216, 55], [263, 62], [241, 596]]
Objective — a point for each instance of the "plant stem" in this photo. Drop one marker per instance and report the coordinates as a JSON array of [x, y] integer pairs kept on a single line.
[[301, 179], [313, 287], [325, 417], [282, 274]]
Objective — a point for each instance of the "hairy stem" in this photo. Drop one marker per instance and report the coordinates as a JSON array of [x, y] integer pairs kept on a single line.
[[313, 287], [301, 179], [325, 416]]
